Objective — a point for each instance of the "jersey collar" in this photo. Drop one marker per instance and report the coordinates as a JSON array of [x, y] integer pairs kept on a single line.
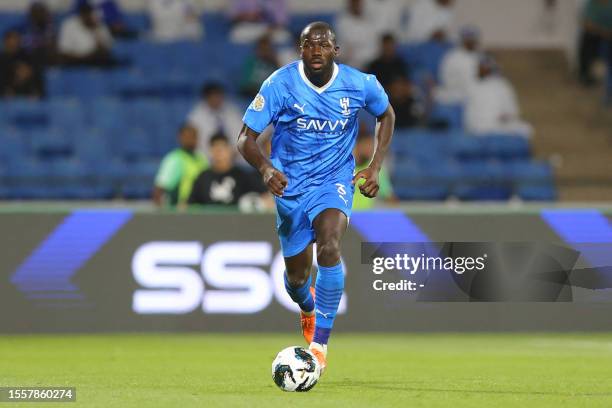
[[317, 89]]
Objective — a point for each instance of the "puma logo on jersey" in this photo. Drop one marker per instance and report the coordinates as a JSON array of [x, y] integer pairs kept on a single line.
[[298, 107], [320, 125]]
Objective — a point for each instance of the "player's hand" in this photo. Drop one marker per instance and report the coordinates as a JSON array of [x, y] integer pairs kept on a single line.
[[370, 187], [275, 181]]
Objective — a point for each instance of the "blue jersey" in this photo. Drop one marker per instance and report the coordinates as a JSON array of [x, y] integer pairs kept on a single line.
[[314, 127]]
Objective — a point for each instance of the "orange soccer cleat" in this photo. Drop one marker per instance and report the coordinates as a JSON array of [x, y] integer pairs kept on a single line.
[[320, 352], [308, 322]]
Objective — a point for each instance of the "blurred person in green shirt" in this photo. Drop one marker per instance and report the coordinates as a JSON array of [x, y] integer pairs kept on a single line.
[[179, 169], [363, 151]]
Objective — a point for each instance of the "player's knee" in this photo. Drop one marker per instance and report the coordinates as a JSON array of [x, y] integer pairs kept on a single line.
[[328, 252], [297, 278]]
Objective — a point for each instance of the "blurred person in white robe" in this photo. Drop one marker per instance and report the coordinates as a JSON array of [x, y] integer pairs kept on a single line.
[[387, 16], [430, 20], [459, 68], [358, 44], [492, 106], [175, 20]]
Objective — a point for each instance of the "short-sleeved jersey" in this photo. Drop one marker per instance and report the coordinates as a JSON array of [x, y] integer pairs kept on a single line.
[[314, 127]]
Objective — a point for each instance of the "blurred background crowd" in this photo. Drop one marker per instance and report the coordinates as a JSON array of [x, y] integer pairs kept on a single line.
[[103, 103]]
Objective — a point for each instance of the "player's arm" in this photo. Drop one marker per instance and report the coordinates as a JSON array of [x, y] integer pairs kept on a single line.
[[248, 147], [384, 125]]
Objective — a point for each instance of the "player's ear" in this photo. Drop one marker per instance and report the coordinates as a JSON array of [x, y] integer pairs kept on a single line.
[[336, 50]]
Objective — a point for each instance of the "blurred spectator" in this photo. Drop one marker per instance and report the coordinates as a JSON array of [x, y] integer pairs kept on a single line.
[[291, 52], [388, 65], [430, 20], [109, 13], [253, 18], [175, 20], [596, 31], [179, 169], [224, 183], [492, 106], [19, 74], [386, 16], [83, 40], [38, 34], [409, 105], [363, 152], [355, 38], [459, 68], [214, 114], [258, 67]]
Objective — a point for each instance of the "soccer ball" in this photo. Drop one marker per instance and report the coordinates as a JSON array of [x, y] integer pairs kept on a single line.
[[295, 369]]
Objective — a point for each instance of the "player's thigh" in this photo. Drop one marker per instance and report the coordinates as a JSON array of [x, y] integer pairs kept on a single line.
[[330, 224], [329, 210], [300, 265]]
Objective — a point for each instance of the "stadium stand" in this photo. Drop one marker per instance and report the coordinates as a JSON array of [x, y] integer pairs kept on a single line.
[[100, 133]]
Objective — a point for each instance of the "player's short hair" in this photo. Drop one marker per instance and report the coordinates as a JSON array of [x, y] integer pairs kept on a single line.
[[318, 25], [186, 126], [218, 137], [211, 87]]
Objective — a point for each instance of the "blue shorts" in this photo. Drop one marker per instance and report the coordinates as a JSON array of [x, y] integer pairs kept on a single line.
[[295, 215]]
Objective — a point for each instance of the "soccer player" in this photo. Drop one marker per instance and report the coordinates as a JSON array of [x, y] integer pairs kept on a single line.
[[313, 104]]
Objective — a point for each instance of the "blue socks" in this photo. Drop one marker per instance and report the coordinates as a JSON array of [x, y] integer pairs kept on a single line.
[[301, 295], [329, 286]]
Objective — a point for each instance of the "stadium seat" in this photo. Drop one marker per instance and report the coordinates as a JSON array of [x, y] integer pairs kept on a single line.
[[25, 114], [67, 114], [137, 144], [537, 192], [92, 146], [216, 26], [483, 181], [50, 144], [413, 182], [450, 114], [28, 178], [13, 142], [468, 148], [531, 171], [139, 182], [425, 56], [138, 21], [9, 20], [506, 147]]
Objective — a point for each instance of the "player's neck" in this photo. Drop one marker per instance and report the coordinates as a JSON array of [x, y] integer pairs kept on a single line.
[[319, 79]]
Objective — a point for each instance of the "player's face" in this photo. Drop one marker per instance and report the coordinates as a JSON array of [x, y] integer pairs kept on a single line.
[[318, 50], [221, 155], [188, 138]]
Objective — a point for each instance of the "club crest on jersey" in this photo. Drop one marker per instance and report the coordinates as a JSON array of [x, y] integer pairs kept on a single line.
[[344, 104], [258, 103]]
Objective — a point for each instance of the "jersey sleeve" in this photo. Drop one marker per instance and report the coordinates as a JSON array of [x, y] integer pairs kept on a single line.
[[376, 99], [265, 107], [169, 173]]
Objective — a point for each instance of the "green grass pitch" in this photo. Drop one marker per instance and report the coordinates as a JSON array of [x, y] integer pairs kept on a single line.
[[377, 370]]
